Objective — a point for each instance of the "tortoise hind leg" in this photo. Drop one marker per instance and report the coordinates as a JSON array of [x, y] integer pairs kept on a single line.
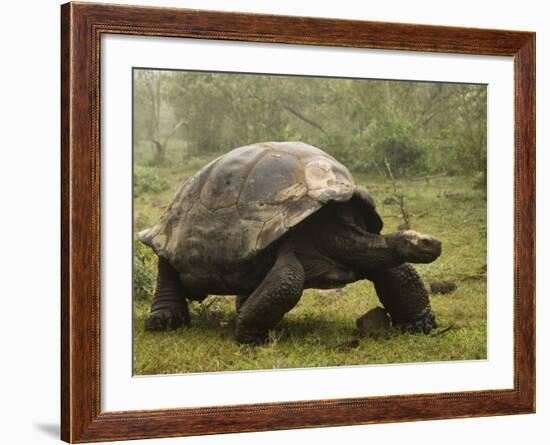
[[278, 293], [240, 300], [169, 309], [405, 297]]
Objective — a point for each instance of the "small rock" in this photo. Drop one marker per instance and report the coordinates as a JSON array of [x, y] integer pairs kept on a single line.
[[442, 287], [374, 323], [390, 201]]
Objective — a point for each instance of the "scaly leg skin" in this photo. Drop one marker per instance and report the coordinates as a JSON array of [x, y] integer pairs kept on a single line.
[[278, 293], [240, 300], [169, 309], [405, 297]]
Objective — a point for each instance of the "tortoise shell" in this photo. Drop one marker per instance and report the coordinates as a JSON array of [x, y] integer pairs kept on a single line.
[[240, 203]]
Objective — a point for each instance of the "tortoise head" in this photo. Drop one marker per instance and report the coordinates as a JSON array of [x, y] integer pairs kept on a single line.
[[415, 247]]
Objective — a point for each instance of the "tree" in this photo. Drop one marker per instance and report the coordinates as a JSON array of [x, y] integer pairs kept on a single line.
[[150, 94], [418, 127]]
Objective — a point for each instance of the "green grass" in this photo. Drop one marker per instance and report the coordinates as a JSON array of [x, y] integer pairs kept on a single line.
[[320, 330]]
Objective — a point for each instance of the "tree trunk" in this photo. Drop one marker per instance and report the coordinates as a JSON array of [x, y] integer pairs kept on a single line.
[[160, 152]]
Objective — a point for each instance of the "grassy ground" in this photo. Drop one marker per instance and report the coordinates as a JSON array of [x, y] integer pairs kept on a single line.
[[321, 330]]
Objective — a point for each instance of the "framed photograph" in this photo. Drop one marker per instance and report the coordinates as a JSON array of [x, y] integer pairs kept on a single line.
[[274, 222]]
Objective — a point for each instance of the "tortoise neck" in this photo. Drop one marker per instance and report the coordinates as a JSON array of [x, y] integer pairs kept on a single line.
[[362, 251]]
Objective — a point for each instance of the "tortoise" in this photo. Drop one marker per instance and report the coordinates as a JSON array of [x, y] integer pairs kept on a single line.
[[268, 220]]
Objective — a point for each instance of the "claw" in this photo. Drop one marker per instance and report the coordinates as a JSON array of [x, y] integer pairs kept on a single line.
[[165, 320], [424, 324], [251, 339]]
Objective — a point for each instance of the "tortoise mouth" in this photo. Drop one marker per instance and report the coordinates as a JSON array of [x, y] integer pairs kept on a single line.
[[418, 248], [429, 254]]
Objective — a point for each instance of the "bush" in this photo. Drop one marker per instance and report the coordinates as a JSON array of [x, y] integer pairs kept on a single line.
[[147, 180], [395, 143], [145, 267], [403, 156]]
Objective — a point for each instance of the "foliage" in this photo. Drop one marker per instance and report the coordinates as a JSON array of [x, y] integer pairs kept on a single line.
[[394, 143], [419, 127], [147, 180], [145, 268]]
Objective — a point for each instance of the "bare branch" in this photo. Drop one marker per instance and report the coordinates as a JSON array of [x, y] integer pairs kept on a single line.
[[302, 117], [292, 111], [174, 130], [401, 199]]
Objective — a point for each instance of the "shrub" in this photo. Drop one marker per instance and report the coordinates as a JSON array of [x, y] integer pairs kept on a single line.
[[147, 180], [145, 266], [395, 143], [403, 156]]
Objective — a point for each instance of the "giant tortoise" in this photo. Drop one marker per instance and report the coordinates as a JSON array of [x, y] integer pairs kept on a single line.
[[268, 220]]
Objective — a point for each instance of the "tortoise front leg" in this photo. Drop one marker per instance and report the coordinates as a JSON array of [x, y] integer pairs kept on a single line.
[[405, 297], [278, 293], [169, 309]]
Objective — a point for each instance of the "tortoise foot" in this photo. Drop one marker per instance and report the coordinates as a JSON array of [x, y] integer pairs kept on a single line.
[[165, 320], [423, 324], [252, 339]]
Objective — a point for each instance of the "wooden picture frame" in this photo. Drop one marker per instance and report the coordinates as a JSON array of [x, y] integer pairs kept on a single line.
[[82, 26]]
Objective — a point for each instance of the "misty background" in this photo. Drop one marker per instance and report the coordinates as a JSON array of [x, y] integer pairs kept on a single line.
[[419, 128]]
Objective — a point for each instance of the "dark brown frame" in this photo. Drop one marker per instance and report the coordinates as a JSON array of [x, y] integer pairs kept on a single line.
[[81, 28]]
